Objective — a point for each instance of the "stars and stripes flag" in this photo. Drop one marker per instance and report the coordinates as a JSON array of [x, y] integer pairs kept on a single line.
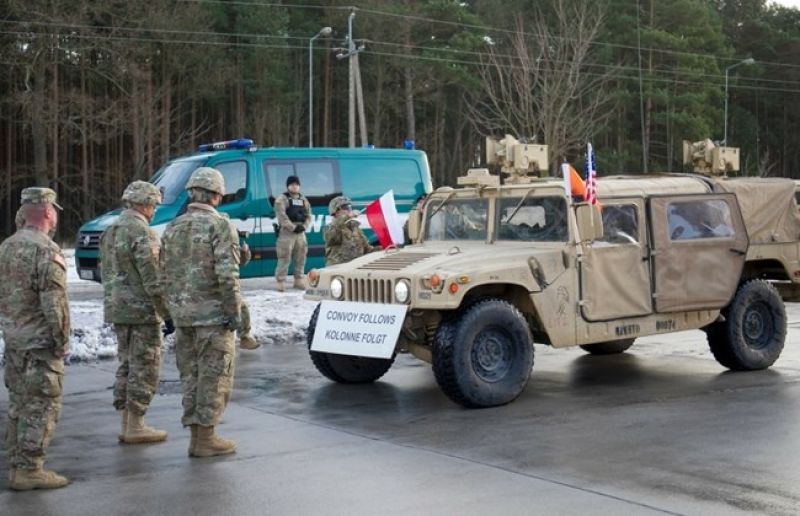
[[591, 175]]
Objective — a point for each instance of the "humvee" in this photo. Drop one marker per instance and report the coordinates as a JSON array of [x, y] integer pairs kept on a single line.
[[499, 267]]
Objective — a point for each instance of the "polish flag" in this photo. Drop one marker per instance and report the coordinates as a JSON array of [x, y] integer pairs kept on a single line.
[[384, 220]]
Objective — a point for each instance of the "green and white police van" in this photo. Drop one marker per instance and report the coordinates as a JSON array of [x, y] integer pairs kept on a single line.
[[255, 176]]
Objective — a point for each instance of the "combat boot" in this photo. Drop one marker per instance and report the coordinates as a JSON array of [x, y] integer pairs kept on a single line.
[[139, 433], [39, 478], [193, 440], [124, 426], [281, 286], [210, 444], [248, 342], [299, 283]]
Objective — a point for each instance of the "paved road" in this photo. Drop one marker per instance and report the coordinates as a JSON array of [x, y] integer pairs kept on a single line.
[[660, 429]]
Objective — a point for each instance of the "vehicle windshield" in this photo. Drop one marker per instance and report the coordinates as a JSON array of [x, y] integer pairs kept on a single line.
[[533, 219], [171, 178], [457, 219]]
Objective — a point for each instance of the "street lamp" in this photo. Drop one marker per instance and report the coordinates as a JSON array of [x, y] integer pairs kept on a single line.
[[325, 31], [747, 61]]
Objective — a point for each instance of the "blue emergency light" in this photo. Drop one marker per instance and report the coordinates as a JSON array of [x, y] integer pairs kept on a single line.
[[241, 143]]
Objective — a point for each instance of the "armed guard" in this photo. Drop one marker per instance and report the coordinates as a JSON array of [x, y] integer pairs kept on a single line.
[[344, 239], [294, 217], [201, 257], [133, 301], [34, 312]]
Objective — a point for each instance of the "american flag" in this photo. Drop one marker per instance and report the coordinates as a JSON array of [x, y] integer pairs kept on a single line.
[[591, 175]]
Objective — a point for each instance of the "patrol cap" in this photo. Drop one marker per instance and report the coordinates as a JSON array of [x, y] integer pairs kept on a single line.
[[142, 192], [291, 180], [207, 178], [337, 203], [39, 195]]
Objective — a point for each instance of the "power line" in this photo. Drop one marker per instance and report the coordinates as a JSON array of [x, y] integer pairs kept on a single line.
[[478, 27], [141, 30]]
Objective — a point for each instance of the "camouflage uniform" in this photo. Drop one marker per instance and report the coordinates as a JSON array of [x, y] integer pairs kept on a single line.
[[344, 239], [34, 312], [246, 341], [291, 245], [134, 300], [200, 258]]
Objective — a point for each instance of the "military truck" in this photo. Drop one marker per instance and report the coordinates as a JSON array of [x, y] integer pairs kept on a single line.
[[499, 267]]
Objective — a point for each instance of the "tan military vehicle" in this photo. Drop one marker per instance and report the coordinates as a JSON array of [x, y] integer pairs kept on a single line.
[[498, 268]]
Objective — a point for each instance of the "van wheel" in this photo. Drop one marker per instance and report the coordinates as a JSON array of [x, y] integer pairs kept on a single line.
[[484, 357], [754, 330], [612, 347], [345, 368]]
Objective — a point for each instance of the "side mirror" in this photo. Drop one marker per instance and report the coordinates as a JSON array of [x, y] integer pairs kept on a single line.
[[590, 222], [414, 225]]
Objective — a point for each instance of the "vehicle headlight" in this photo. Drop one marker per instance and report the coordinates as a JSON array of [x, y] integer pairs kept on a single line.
[[401, 291], [337, 289]]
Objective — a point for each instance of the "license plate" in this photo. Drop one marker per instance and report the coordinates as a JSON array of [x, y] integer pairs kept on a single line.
[[86, 274]]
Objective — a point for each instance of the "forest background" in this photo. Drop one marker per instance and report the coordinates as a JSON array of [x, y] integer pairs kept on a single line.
[[96, 93]]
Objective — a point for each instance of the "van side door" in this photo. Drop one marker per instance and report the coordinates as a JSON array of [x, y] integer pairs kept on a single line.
[[698, 249]]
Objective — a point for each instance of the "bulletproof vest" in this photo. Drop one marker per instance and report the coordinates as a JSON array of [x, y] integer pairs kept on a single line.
[[296, 209]]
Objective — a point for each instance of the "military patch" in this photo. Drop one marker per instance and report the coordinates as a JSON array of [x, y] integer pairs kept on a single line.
[[60, 260]]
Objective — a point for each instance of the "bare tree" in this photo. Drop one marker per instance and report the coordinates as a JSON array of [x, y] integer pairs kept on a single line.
[[540, 84]]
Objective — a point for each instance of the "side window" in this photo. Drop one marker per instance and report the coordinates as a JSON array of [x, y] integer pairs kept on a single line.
[[542, 219], [235, 174], [319, 179], [620, 224], [690, 220]]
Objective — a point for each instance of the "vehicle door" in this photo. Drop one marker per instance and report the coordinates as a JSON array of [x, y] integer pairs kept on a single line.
[[238, 205], [614, 271], [320, 182], [699, 244]]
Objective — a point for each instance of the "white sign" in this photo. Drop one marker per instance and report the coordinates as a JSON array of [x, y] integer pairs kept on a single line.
[[359, 329]]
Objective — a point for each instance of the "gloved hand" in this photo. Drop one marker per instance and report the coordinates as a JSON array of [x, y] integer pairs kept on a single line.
[[169, 327], [299, 228], [232, 323]]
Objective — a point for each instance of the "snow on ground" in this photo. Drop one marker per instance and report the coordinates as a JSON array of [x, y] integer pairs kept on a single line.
[[277, 319]]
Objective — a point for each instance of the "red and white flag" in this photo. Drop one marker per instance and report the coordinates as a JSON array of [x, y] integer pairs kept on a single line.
[[384, 220]]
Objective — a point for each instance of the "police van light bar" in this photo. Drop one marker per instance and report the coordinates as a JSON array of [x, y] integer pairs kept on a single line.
[[241, 143]]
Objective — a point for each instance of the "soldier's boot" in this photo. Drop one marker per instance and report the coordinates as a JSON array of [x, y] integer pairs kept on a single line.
[[210, 444], [39, 478], [281, 286], [193, 440], [124, 425], [299, 283], [247, 341], [139, 433]]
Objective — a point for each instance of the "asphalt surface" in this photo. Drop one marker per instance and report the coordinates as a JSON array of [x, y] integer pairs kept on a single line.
[[659, 429]]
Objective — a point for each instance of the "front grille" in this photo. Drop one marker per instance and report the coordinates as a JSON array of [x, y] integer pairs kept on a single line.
[[87, 263], [369, 290], [396, 261], [89, 240]]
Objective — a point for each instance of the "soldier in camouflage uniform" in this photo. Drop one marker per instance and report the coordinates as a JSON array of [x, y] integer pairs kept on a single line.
[[294, 216], [344, 239], [200, 259], [134, 303], [35, 320]]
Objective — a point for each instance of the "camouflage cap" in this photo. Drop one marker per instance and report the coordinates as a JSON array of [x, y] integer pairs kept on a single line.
[[337, 203], [39, 195], [207, 178], [142, 192]]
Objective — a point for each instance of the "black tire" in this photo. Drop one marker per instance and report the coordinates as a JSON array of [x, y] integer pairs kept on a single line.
[[345, 368], [484, 357], [612, 347], [752, 335]]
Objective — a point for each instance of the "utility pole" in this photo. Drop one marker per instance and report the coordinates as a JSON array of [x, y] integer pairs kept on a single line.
[[362, 118], [352, 52]]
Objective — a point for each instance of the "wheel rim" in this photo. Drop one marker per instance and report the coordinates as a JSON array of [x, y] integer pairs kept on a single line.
[[758, 326], [492, 354]]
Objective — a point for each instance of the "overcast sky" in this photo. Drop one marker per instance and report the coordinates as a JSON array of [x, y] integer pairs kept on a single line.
[[789, 3]]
